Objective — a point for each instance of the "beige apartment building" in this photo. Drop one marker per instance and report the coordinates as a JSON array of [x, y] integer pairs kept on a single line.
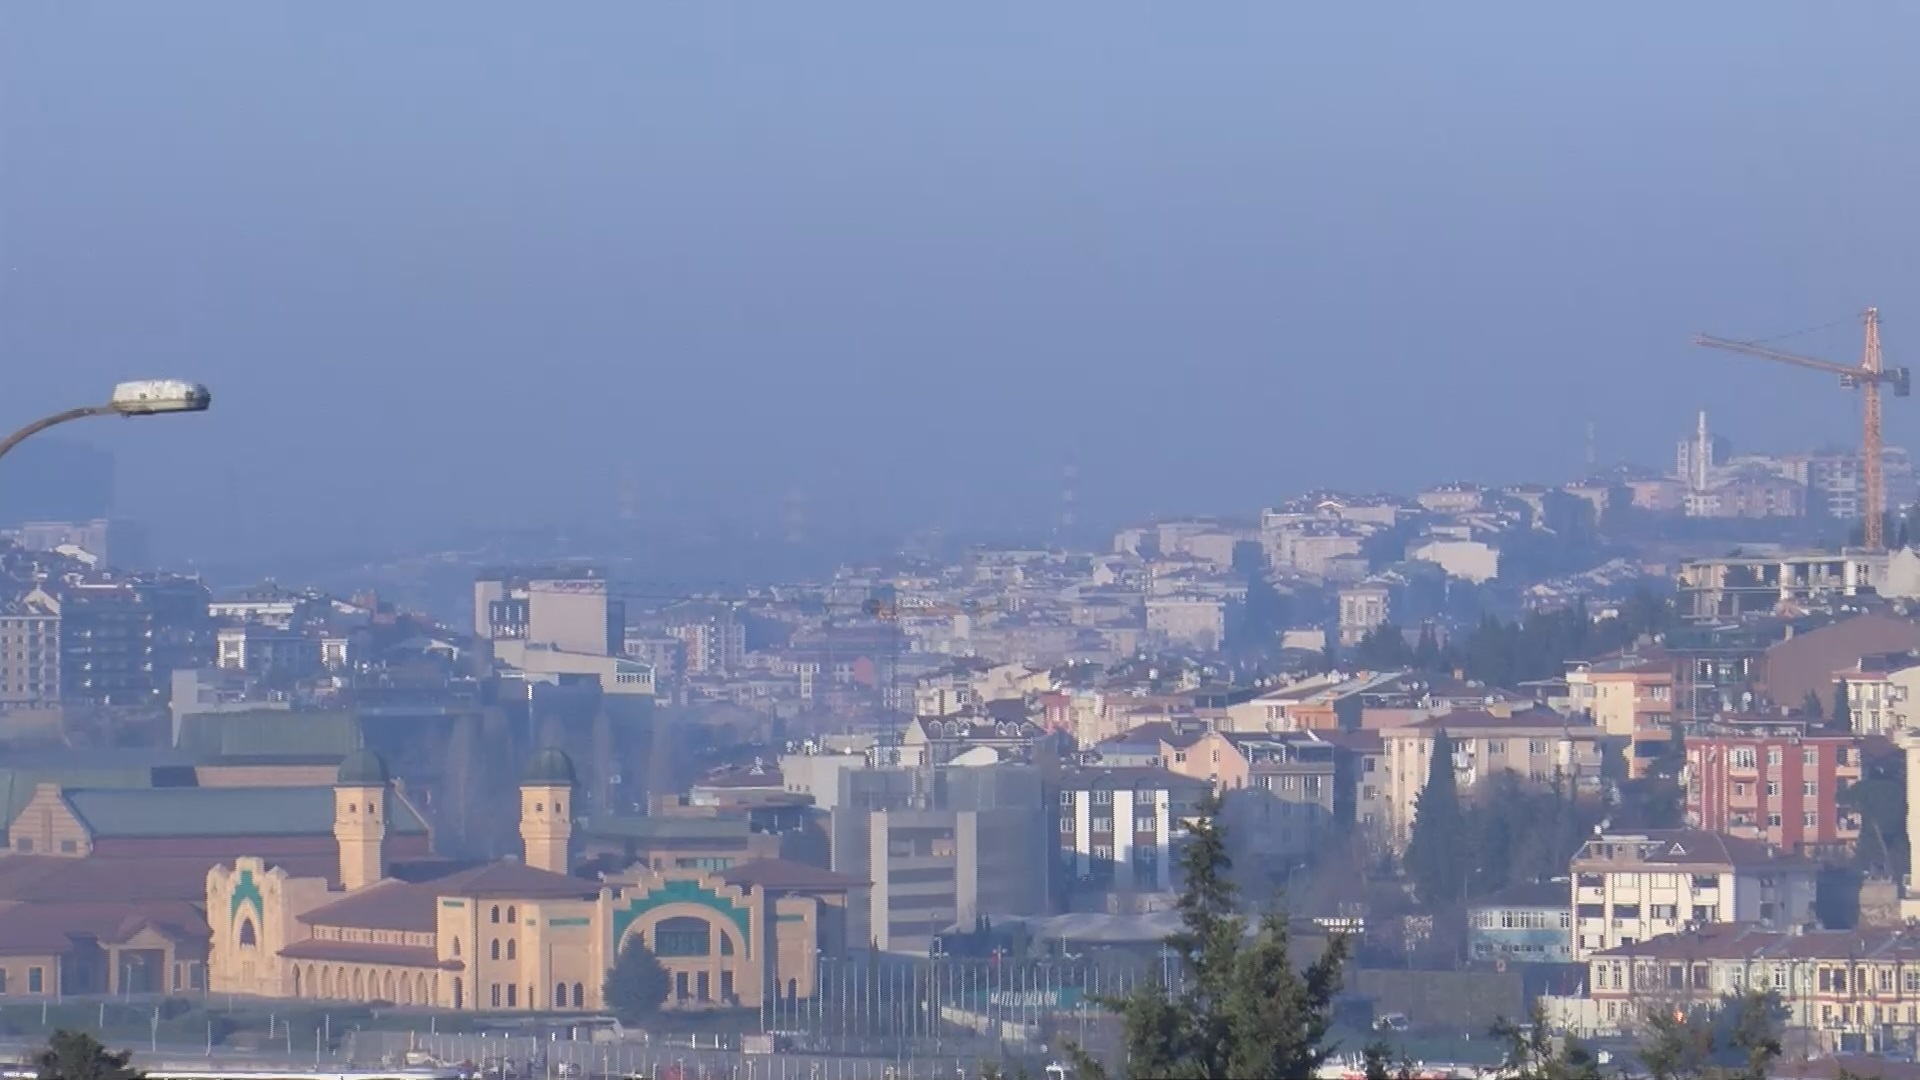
[[1630, 699], [1537, 745], [30, 651]]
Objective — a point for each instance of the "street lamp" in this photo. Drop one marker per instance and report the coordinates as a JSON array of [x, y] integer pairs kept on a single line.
[[146, 397]]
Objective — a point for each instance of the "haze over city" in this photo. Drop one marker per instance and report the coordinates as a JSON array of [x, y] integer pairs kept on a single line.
[[441, 261]]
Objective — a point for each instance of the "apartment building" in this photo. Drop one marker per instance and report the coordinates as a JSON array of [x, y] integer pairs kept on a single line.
[[30, 650], [1537, 745], [1524, 924], [1281, 792], [1771, 781], [1363, 607], [1879, 690], [1632, 888], [1117, 827], [1630, 698], [942, 846], [566, 609], [1850, 991]]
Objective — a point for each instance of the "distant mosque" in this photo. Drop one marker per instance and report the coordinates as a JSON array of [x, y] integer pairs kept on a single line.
[[511, 936]]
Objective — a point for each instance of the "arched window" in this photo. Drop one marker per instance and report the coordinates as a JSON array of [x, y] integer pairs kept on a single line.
[[579, 996], [559, 808], [559, 995], [359, 985], [539, 808], [459, 995], [496, 913], [296, 982], [386, 989], [494, 949], [512, 913], [456, 946], [683, 936], [510, 949], [420, 991], [247, 936]]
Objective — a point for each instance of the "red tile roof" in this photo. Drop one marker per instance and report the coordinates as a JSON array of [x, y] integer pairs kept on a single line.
[[40, 928], [413, 905]]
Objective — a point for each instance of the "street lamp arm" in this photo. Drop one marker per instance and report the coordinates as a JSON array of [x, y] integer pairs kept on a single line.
[[46, 422]]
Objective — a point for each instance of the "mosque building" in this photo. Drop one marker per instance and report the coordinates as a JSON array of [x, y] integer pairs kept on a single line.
[[511, 935]]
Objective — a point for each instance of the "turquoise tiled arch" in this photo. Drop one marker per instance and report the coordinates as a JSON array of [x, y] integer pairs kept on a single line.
[[681, 892]]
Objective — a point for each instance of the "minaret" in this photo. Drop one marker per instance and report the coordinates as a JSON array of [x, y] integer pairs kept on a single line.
[[546, 790], [360, 819]]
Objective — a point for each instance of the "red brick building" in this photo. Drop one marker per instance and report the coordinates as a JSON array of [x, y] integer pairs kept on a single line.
[[1773, 782]]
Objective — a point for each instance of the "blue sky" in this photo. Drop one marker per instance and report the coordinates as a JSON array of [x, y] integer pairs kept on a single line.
[[444, 263]]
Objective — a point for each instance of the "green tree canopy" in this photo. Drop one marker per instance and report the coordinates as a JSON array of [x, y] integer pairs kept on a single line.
[[638, 983], [1737, 1039], [76, 1055], [1242, 1008]]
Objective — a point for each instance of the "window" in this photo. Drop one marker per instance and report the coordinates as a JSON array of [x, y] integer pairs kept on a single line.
[[1536, 747], [683, 936], [1773, 789], [68, 847], [1103, 824], [512, 913], [494, 949], [456, 946], [36, 980], [496, 913], [1809, 757], [512, 952], [511, 988], [496, 995], [1066, 798], [23, 845], [1773, 756], [1742, 757], [1066, 825], [1810, 819], [1773, 821], [1810, 788], [580, 995]]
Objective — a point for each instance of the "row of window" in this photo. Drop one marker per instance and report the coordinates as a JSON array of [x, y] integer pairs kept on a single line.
[[36, 980], [24, 846], [1743, 757]]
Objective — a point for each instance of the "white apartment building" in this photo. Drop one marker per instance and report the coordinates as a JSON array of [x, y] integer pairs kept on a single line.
[[1628, 889], [1880, 693], [1118, 825]]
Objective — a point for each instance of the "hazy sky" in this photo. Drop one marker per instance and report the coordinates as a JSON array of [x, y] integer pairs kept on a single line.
[[446, 262]]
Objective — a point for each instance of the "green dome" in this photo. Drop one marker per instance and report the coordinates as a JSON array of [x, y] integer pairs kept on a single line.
[[362, 768], [549, 767]]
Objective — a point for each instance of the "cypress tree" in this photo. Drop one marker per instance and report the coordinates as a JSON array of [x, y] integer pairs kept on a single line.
[[1437, 852]]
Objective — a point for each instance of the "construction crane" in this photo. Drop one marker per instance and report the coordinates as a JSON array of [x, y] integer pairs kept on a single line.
[[1866, 377]]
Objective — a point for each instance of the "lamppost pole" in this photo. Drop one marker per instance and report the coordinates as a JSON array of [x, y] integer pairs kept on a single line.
[[151, 397]]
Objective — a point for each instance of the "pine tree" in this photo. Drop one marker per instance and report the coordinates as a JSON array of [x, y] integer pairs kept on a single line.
[[1841, 718], [76, 1055], [1436, 858], [1813, 707], [1241, 1009], [638, 983]]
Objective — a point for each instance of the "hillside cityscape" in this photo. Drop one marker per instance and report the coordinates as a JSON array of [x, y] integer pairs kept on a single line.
[[1523, 747]]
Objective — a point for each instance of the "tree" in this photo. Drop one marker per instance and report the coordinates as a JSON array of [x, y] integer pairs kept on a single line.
[[1531, 1055], [1737, 1039], [1813, 707], [1242, 1009], [638, 983], [1384, 648], [1436, 856], [76, 1055], [1841, 718]]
